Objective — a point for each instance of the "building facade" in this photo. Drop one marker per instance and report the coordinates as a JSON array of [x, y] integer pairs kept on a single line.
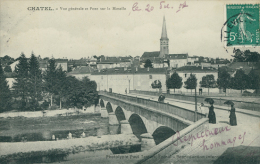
[[125, 79]]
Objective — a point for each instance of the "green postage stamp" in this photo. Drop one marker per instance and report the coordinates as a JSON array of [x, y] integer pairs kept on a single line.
[[242, 25]]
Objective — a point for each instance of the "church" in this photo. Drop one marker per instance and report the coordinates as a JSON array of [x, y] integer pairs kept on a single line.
[[162, 58]]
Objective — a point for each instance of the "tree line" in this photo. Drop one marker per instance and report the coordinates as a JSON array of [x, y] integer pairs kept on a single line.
[[34, 89], [240, 81]]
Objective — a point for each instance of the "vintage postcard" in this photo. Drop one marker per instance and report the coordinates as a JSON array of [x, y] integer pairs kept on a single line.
[[151, 82]]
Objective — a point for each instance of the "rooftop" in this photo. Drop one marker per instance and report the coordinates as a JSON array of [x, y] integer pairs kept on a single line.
[[196, 69], [176, 56], [61, 60], [129, 70], [151, 54], [81, 70]]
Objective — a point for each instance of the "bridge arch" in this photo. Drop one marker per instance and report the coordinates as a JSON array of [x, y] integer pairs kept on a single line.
[[109, 107], [162, 133], [120, 115], [102, 104], [137, 125]]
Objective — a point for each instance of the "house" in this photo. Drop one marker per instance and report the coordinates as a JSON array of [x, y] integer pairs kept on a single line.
[[192, 59], [77, 63], [63, 63], [160, 63], [81, 72], [43, 64], [177, 60], [113, 62]]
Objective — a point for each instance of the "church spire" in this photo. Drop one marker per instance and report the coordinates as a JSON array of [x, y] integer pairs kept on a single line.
[[164, 31], [164, 49]]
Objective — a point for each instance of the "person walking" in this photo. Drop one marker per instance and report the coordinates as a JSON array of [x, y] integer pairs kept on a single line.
[[211, 115], [232, 116]]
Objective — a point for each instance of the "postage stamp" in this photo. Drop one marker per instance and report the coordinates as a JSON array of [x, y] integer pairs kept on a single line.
[[242, 25]]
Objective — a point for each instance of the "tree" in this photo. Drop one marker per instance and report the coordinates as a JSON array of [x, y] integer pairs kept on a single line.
[[239, 55], [156, 84], [148, 63], [5, 94], [7, 68], [251, 56], [60, 88], [7, 60], [175, 81], [208, 81], [21, 85], [240, 80], [35, 80], [223, 80], [191, 82], [90, 95], [50, 77], [81, 93], [246, 56], [254, 80]]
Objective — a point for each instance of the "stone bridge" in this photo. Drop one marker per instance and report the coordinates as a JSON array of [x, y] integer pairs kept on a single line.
[[149, 120]]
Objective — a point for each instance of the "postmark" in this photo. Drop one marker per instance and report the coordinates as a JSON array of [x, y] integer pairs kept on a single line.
[[242, 25]]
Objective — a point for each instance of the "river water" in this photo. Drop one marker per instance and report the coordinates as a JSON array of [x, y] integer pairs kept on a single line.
[[21, 129]]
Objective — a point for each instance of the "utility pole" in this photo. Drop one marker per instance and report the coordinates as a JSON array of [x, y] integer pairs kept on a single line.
[[196, 110], [129, 85]]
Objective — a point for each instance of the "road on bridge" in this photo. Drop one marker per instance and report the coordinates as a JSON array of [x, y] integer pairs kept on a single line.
[[247, 133]]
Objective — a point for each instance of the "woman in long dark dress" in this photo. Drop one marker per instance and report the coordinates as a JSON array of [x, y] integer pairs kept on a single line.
[[232, 116], [212, 116]]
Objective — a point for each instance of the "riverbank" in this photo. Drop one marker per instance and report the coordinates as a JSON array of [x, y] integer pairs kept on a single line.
[[48, 113], [42, 128], [49, 149]]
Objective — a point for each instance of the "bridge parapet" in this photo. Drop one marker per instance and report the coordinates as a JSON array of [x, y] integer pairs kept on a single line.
[[172, 145], [248, 105], [165, 107]]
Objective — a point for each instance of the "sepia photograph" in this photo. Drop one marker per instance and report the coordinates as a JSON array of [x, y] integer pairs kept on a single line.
[[129, 82]]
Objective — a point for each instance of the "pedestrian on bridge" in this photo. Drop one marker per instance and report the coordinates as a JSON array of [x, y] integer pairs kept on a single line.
[[212, 116], [232, 116]]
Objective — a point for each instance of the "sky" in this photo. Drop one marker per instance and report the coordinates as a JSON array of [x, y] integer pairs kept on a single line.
[[195, 29]]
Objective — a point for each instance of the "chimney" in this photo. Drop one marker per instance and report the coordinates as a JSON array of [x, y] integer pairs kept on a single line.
[[148, 69], [105, 57], [125, 68], [201, 66], [136, 69]]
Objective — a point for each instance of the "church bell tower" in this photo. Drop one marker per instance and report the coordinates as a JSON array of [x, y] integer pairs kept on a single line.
[[164, 49]]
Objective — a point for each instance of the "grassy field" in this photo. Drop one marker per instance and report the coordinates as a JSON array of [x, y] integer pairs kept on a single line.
[[42, 128]]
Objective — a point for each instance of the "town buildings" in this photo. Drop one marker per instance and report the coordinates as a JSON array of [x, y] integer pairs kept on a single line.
[[124, 79]]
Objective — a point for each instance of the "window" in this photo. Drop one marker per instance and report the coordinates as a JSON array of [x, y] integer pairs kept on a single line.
[[185, 74], [150, 77]]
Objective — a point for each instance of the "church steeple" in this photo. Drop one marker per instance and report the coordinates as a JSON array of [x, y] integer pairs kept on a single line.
[[164, 49], [164, 31]]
